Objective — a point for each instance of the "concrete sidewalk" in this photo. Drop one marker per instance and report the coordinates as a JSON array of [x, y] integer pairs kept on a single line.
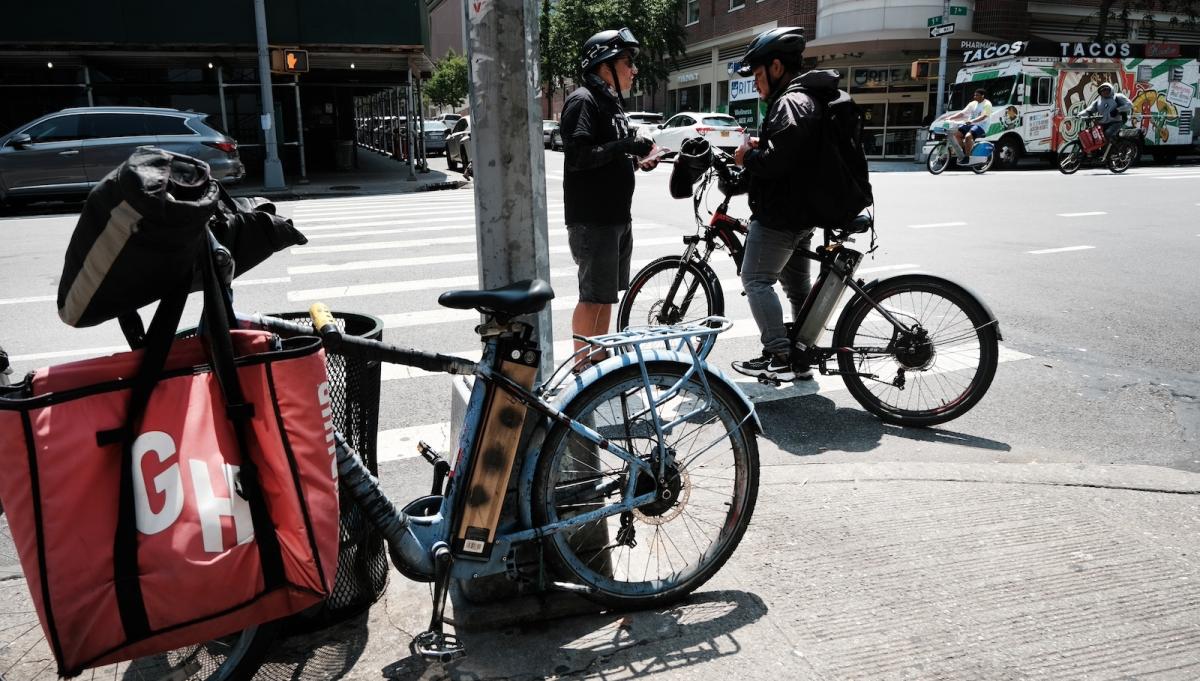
[[375, 174], [872, 571]]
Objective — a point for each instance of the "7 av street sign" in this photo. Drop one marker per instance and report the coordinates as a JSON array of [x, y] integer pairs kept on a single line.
[[939, 31]]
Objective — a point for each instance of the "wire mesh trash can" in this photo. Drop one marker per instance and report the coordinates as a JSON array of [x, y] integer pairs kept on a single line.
[[362, 558]]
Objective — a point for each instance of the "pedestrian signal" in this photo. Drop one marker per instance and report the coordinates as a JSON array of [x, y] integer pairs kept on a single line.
[[289, 61], [923, 68]]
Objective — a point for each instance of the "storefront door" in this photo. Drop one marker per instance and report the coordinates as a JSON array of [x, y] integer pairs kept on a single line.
[[892, 124]]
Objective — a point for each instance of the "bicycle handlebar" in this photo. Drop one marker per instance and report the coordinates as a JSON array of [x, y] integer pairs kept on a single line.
[[323, 325]]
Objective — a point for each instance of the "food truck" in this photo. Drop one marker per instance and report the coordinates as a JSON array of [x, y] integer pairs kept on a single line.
[[1036, 89]]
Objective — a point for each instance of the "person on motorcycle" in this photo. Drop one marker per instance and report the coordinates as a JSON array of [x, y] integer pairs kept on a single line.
[[601, 151], [975, 112], [1113, 108], [779, 165]]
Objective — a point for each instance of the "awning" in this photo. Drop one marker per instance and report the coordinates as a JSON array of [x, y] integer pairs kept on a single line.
[[890, 40]]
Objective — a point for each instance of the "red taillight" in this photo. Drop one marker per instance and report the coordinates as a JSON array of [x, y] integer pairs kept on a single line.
[[703, 131], [229, 147]]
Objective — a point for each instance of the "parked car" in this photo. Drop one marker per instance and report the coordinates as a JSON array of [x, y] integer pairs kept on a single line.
[[449, 119], [548, 128], [720, 130], [435, 137], [458, 142], [556, 142], [65, 154], [644, 119]]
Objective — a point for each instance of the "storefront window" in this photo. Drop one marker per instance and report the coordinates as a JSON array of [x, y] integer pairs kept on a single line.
[[893, 106]]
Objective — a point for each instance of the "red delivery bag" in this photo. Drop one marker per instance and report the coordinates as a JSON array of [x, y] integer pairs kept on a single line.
[[173, 494], [1091, 138]]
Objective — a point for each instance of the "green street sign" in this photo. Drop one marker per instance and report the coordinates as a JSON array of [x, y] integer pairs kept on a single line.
[[934, 21], [956, 11]]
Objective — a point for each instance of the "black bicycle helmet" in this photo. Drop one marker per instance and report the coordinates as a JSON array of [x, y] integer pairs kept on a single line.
[[606, 46], [776, 43], [695, 156]]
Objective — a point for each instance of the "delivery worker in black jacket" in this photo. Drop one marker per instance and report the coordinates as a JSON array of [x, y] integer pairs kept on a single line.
[[780, 164], [601, 152]]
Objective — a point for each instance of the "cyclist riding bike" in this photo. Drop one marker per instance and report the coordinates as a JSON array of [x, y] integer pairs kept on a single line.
[[975, 112], [1113, 108], [779, 165]]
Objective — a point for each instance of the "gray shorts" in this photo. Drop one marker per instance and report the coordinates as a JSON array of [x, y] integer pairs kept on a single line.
[[603, 253]]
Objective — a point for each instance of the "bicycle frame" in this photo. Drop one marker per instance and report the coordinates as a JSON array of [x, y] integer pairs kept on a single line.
[[435, 529]]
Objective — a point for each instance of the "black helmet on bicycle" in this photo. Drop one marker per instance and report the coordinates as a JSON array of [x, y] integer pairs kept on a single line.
[[785, 43], [695, 157]]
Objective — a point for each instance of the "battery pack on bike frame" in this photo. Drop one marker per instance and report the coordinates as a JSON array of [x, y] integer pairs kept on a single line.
[[496, 445]]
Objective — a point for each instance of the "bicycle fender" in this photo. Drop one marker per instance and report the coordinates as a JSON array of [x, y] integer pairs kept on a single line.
[[718, 299], [577, 384], [846, 311]]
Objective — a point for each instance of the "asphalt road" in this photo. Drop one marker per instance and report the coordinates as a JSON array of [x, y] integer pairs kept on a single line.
[[1091, 276]]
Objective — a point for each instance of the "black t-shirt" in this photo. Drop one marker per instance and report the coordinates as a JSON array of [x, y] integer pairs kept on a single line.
[[597, 181]]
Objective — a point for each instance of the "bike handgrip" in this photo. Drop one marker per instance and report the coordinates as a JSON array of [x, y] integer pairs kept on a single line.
[[322, 319]]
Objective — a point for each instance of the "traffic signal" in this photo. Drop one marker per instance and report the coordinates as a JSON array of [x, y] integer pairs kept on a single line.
[[923, 69], [285, 60]]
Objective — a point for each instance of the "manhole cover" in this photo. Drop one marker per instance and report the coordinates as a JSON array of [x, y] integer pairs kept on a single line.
[[345, 187]]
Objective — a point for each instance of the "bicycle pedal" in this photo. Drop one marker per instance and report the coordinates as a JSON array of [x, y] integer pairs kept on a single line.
[[428, 453], [770, 381], [436, 646]]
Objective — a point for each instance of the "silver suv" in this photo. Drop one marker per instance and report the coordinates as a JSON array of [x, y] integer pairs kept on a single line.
[[69, 152]]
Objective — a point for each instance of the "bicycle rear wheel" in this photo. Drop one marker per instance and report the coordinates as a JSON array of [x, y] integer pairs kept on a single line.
[[1121, 156], [661, 551], [935, 372]]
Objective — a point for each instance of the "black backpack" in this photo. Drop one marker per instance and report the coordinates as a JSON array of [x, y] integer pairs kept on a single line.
[[841, 177]]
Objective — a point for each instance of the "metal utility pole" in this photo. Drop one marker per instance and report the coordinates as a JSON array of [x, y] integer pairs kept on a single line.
[[945, 47], [272, 168], [506, 149]]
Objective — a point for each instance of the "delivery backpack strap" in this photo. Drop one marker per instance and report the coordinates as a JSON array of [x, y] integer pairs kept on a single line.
[[218, 311]]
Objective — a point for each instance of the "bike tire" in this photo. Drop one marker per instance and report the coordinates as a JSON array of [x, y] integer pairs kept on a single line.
[[1070, 157], [25, 654], [961, 336], [619, 574], [1121, 156], [644, 299], [939, 159], [981, 168]]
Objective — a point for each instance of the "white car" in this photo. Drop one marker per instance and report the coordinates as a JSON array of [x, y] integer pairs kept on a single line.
[[720, 130], [644, 119]]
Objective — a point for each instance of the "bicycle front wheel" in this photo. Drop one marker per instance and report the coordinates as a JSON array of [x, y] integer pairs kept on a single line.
[[25, 655], [1070, 157], [664, 550], [650, 300], [935, 371], [939, 158]]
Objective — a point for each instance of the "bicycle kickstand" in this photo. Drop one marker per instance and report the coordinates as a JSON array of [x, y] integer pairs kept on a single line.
[[435, 644]]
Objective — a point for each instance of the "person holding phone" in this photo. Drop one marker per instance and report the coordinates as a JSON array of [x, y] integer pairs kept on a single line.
[[601, 153]]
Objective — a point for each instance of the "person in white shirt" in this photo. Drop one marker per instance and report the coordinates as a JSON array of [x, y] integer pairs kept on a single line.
[[975, 112]]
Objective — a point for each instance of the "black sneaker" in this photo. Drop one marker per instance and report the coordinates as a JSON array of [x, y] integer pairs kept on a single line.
[[770, 366]]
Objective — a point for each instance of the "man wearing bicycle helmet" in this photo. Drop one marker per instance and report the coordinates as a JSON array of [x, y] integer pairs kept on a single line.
[[601, 151], [779, 165], [1113, 108]]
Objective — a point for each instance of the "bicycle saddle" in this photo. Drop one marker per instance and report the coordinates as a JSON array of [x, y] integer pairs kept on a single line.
[[520, 297]]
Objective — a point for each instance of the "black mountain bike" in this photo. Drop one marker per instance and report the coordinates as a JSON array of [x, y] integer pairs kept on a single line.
[[914, 349]]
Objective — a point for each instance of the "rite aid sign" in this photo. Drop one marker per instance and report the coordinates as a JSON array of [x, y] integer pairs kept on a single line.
[[742, 88]]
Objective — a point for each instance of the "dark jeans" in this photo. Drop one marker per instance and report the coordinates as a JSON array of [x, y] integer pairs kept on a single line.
[[1112, 131], [771, 256]]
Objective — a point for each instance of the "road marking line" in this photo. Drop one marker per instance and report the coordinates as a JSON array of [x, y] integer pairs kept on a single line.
[[1081, 215], [395, 444], [351, 215], [328, 233], [351, 224], [29, 299], [937, 224], [260, 282], [435, 259], [1060, 250]]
